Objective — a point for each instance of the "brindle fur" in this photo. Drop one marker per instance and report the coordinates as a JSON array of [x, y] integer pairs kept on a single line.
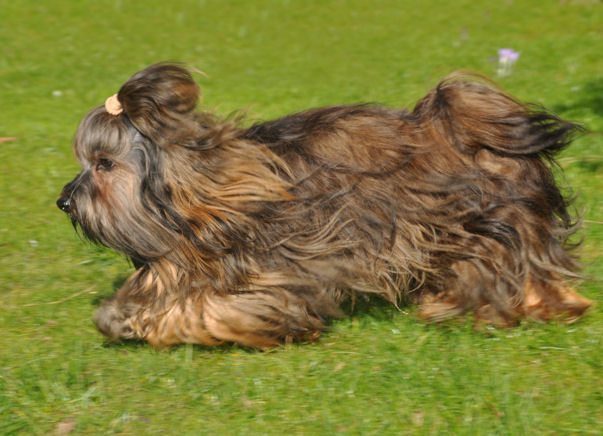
[[256, 235]]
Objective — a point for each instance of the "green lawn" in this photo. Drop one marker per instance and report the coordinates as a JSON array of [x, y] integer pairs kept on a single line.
[[380, 371]]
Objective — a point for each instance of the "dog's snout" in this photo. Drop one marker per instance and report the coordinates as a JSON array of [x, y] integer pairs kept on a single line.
[[64, 204]]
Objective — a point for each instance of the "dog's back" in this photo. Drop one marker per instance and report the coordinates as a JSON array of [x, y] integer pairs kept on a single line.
[[454, 201]]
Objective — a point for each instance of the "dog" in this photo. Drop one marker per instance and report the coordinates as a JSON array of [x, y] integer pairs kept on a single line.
[[258, 234]]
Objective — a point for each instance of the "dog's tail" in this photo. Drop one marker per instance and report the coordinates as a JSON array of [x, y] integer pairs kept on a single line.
[[502, 135], [473, 113]]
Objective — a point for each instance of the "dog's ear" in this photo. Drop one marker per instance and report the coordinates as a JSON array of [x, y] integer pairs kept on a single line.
[[160, 101]]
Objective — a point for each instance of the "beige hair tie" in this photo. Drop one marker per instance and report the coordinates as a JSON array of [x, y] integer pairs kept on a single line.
[[113, 106]]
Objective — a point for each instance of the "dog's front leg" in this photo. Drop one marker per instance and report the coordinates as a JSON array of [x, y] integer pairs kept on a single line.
[[210, 319], [150, 307], [255, 319], [158, 306], [116, 317]]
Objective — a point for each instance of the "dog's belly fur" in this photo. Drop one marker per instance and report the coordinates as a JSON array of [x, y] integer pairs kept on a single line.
[[450, 206]]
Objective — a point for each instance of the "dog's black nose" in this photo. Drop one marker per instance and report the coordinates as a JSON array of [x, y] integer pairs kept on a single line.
[[64, 204]]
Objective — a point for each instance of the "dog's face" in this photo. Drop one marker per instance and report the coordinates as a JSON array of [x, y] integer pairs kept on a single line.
[[110, 199], [153, 180]]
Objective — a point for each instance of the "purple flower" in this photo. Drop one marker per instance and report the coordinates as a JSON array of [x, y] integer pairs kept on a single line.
[[506, 58], [508, 55]]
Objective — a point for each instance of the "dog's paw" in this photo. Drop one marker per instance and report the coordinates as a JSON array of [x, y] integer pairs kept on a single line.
[[113, 320]]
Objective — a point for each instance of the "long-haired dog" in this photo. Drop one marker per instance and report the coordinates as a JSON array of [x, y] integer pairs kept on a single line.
[[257, 234]]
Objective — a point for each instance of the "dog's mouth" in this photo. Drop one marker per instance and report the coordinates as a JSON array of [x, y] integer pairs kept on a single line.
[[67, 205], [74, 223]]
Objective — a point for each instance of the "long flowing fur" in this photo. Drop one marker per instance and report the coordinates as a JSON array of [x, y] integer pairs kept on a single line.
[[257, 234]]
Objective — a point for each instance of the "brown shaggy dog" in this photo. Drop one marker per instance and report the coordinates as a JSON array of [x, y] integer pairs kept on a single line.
[[256, 235]]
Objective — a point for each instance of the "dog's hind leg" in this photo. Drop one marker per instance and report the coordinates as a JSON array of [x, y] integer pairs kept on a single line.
[[479, 286], [552, 299], [472, 285]]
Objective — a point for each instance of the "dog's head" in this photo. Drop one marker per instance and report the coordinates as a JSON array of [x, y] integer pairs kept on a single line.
[[124, 196]]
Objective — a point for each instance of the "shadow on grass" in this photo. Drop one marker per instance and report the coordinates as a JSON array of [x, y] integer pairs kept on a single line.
[[591, 99], [125, 344], [225, 348], [117, 283], [592, 165], [371, 306]]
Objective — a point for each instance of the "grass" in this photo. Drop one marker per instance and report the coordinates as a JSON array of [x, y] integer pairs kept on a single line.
[[378, 372]]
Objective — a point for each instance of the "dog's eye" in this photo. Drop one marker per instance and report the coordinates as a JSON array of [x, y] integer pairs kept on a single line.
[[104, 164]]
